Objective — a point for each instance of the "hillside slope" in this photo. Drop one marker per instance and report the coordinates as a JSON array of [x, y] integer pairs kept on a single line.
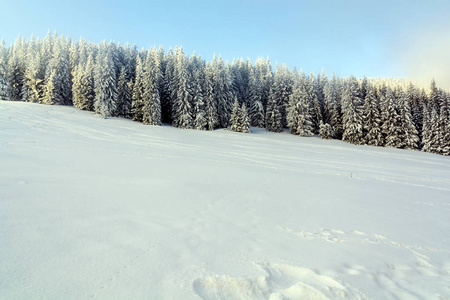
[[113, 209]]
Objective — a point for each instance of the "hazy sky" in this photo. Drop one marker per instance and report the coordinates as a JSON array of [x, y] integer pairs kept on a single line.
[[373, 38]]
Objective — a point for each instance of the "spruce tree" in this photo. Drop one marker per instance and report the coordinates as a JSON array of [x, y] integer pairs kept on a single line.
[[58, 88], [332, 108], [235, 125], [137, 103], [409, 137], [371, 119], [315, 106], [256, 109], [299, 118], [326, 131], [123, 95], [391, 123], [105, 86], [210, 106], [4, 82], [16, 69], [431, 131], [150, 96], [244, 122], [273, 115], [351, 114], [200, 121], [443, 134], [182, 107]]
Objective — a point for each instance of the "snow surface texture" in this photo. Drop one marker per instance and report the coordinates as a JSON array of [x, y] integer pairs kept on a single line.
[[113, 209]]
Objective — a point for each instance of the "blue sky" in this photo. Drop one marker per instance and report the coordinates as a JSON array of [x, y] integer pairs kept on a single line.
[[373, 38]]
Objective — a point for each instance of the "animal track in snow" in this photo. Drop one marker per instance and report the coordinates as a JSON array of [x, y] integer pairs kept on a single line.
[[339, 236]]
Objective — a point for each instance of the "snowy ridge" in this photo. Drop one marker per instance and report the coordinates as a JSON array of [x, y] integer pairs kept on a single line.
[[113, 209]]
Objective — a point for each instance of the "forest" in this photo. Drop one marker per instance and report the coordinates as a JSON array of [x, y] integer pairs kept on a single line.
[[153, 86]]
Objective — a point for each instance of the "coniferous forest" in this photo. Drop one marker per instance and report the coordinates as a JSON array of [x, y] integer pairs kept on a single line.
[[154, 86]]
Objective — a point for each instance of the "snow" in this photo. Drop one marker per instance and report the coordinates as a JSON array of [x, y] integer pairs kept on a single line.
[[113, 209]]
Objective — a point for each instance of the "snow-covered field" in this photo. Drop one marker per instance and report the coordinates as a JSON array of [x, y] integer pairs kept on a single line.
[[112, 209]]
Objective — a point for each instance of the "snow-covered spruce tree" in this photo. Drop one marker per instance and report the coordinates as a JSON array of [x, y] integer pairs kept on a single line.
[[244, 121], [321, 81], [83, 85], [431, 131], [256, 109], [200, 121], [352, 114], [316, 103], [326, 132], [210, 107], [364, 87], [105, 85], [371, 119], [443, 134], [263, 72], [281, 90], [151, 97], [273, 115], [123, 95], [4, 82], [16, 69], [182, 107], [416, 103], [47, 53], [234, 120], [390, 119], [168, 84], [409, 138], [332, 108], [435, 100], [240, 77], [299, 118], [223, 95], [77, 86], [58, 85], [239, 118], [34, 77], [137, 103], [28, 55]]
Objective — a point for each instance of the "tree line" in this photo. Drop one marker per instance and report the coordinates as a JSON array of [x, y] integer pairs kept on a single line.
[[153, 86]]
